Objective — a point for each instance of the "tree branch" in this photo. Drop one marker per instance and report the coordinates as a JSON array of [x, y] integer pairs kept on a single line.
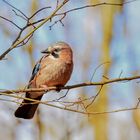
[[10, 22], [69, 109], [72, 86], [70, 104], [18, 42]]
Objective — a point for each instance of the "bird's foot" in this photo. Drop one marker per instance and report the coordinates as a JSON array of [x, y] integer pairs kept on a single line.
[[58, 88], [45, 87]]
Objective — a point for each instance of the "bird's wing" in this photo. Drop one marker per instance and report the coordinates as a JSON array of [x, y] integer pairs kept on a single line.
[[35, 70]]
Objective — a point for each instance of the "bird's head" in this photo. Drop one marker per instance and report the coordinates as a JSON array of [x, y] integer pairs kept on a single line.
[[58, 49]]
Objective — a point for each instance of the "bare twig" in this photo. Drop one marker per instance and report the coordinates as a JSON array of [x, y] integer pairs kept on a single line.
[[94, 97], [60, 20], [120, 74], [25, 41], [73, 110], [17, 42], [20, 42], [39, 11], [57, 3], [10, 22], [95, 5], [97, 69], [19, 15], [72, 86], [79, 8], [87, 6], [15, 8], [137, 105]]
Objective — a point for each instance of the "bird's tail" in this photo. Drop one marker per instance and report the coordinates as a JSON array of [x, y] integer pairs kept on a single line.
[[27, 110]]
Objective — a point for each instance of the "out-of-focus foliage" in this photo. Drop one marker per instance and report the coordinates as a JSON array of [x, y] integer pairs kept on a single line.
[[107, 15]]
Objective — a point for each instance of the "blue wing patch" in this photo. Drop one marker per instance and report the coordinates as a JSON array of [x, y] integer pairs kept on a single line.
[[35, 70]]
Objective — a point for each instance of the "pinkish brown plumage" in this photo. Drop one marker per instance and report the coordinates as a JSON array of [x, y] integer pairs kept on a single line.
[[53, 69]]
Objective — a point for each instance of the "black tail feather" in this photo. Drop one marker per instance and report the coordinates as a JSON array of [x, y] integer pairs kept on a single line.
[[27, 111]]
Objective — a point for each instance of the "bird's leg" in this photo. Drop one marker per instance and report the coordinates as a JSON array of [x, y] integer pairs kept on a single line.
[[45, 87], [58, 88]]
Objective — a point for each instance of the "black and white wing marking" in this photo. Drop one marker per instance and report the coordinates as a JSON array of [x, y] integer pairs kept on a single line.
[[35, 70]]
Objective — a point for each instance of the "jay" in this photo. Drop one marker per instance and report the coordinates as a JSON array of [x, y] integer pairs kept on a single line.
[[53, 69]]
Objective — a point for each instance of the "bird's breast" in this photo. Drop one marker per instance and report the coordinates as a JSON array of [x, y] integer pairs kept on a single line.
[[53, 74]]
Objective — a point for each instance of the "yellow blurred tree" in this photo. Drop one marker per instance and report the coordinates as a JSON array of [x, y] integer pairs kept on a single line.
[[100, 122]]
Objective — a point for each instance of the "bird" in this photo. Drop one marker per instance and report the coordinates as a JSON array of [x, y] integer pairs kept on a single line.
[[54, 69]]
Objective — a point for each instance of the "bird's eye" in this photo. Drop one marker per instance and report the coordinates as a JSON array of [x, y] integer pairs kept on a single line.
[[57, 50]]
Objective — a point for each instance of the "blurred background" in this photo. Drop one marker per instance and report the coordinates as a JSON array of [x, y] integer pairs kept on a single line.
[[107, 35]]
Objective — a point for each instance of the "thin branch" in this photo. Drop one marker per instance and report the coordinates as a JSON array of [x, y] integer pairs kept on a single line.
[[21, 16], [39, 11], [15, 8], [95, 5], [97, 69], [25, 42], [137, 105], [60, 20], [10, 22], [18, 42], [73, 110], [36, 22], [88, 6], [17, 38], [79, 8], [57, 3], [94, 97], [72, 86], [83, 7], [120, 73]]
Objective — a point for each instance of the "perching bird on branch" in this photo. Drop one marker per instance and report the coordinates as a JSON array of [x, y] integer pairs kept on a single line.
[[53, 69]]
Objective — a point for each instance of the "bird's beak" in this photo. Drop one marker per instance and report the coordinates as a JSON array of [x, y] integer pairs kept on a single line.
[[47, 51]]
